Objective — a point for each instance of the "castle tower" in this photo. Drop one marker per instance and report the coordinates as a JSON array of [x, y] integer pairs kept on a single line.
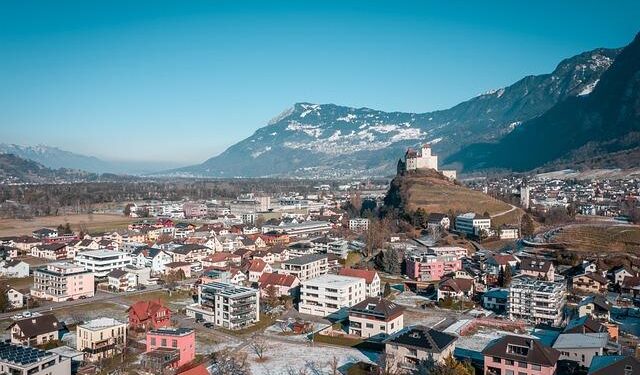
[[524, 196]]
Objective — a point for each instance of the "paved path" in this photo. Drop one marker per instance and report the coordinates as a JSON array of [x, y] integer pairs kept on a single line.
[[513, 208]]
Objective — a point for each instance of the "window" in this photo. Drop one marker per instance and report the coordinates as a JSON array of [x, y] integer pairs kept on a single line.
[[174, 343], [536, 367], [163, 342], [522, 364], [496, 360], [508, 362], [369, 325]]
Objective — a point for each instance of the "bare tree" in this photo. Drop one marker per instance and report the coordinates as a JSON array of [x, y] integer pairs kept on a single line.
[[227, 362], [259, 346]]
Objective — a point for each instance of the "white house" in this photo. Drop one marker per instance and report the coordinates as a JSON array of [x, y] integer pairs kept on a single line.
[[14, 268], [16, 298], [327, 294], [101, 262]]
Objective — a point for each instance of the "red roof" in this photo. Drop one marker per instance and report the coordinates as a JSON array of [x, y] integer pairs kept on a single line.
[[145, 309], [219, 257], [276, 279], [198, 370], [368, 275], [257, 265]]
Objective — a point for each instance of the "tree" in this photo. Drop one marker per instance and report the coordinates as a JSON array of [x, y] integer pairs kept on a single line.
[[527, 226], [271, 295], [449, 366], [259, 346], [387, 290], [507, 275], [4, 300], [127, 209], [375, 235], [392, 261], [227, 362]]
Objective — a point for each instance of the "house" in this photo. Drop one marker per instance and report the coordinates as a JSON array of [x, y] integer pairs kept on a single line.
[[190, 253], [180, 340], [371, 279], [17, 298], [256, 268], [43, 233], [285, 285], [221, 260], [496, 299], [498, 262], [14, 268], [595, 306], [542, 269], [326, 294], [619, 273], [53, 251], [430, 267], [101, 338], [122, 281], [375, 317], [102, 261], [582, 347], [589, 283], [519, 355], [456, 289], [18, 359], [35, 330], [409, 347], [226, 305], [145, 315], [508, 233], [585, 324], [306, 267], [158, 259], [175, 268], [62, 281], [438, 220], [614, 364]]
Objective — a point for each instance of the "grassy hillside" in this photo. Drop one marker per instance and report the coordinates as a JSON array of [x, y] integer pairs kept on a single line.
[[599, 238], [432, 192]]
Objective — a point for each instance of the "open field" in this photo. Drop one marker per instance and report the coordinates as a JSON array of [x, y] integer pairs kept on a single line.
[[86, 222], [18, 283], [599, 238]]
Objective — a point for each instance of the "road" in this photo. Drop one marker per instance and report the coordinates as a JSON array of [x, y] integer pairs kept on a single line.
[[513, 208]]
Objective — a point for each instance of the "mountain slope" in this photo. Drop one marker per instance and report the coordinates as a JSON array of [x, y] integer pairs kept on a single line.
[[603, 123], [329, 140]]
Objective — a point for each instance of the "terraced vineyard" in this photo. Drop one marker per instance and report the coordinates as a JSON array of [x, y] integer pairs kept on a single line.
[[600, 239]]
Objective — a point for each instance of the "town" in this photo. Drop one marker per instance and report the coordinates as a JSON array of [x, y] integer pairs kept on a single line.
[[334, 279]]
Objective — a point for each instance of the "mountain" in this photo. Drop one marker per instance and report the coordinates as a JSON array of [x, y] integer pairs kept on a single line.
[[599, 129], [53, 157], [313, 140]]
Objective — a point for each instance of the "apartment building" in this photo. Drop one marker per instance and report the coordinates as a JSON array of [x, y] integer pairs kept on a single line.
[[101, 338], [326, 294], [371, 278], [62, 281], [375, 317], [429, 267], [536, 301], [180, 340], [359, 224], [25, 360], [194, 210], [473, 224], [226, 305], [304, 229], [519, 355], [306, 267], [103, 261]]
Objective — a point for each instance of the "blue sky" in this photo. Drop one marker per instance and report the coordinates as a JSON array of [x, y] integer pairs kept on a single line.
[[183, 80]]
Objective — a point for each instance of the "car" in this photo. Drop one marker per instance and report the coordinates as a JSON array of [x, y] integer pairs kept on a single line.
[[208, 325], [199, 320], [83, 297]]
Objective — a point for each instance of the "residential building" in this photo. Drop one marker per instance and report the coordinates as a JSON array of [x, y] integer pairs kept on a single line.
[[226, 305], [101, 338], [146, 315], [536, 301], [14, 268], [508, 233], [175, 268], [16, 298], [473, 224], [595, 306], [375, 317], [457, 289], [53, 251], [304, 229], [24, 360], [438, 220], [410, 346], [103, 261], [519, 355], [183, 340], [614, 364], [371, 279], [43, 233], [285, 285], [582, 347], [62, 281], [457, 251], [430, 267], [257, 267], [539, 268], [359, 224], [35, 330], [619, 273], [194, 210], [589, 283], [122, 281], [496, 299], [326, 294], [306, 267]]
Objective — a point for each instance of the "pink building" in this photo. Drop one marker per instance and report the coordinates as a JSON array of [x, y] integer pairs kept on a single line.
[[519, 355], [194, 209], [62, 281], [428, 267], [179, 340]]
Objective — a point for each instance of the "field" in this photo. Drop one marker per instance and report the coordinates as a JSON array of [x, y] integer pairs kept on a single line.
[[436, 195], [86, 222], [599, 238]]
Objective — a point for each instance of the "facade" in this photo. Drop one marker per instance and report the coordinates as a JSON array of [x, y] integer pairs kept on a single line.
[[542, 269], [285, 285], [327, 294], [145, 315], [473, 224], [375, 317], [35, 330], [227, 305], [14, 268], [421, 160], [413, 345], [589, 283], [122, 281], [536, 301], [430, 267], [582, 347], [101, 338], [62, 281], [371, 279], [438, 220], [53, 251], [101, 262], [519, 355], [456, 289], [24, 360], [359, 224], [183, 340], [306, 267], [194, 210], [304, 229], [496, 300]]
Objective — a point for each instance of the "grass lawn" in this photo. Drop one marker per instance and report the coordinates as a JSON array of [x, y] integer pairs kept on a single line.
[[600, 238], [24, 282], [85, 222], [265, 321], [337, 340], [162, 295]]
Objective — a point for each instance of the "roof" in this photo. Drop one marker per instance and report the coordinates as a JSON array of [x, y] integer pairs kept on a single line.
[[427, 339], [503, 259], [534, 351], [117, 273], [586, 324], [198, 370], [177, 264], [171, 331], [598, 301], [457, 285], [333, 281], [377, 306], [37, 325], [21, 355], [145, 309], [499, 293], [306, 259], [436, 217], [596, 277], [101, 323], [368, 275], [539, 265], [186, 249], [614, 364], [276, 279], [581, 340], [257, 265]]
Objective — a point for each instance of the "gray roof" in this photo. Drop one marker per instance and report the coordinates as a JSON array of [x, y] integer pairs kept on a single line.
[[581, 340], [306, 259]]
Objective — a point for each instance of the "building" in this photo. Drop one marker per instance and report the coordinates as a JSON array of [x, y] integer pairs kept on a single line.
[[122, 281], [103, 261], [303, 229], [306, 267], [438, 220], [589, 283], [358, 224], [430, 267], [24, 360], [457, 251], [371, 279], [596, 306], [17, 298], [326, 294], [101, 338], [194, 210], [582, 347], [53, 251], [473, 224], [14, 268], [525, 196], [422, 159], [182, 340], [35, 330], [496, 300], [257, 267], [145, 315], [536, 301], [614, 364], [508, 233], [410, 346], [375, 317], [541, 269], [284, 285], [226, 305], [457, 289], [519, 355], [62, 281]]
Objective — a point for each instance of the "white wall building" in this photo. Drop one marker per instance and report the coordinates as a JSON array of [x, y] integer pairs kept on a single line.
[[226, 305], [327, 294], [536, 301], [472, 224], [359, 224], [101, 262]]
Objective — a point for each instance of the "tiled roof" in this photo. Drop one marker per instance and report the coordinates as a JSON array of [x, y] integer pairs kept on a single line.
[[534, 351], [427, 339], [368, 275]]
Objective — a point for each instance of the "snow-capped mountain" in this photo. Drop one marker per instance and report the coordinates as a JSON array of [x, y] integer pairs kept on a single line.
[[310, 140]]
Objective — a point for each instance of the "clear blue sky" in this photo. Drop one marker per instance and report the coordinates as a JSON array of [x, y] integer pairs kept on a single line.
[[183, 80]]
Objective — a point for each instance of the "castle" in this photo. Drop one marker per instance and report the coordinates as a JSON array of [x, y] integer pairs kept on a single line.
[[424, 159]]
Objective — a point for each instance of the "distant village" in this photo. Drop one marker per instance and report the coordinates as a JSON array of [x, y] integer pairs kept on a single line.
[[318, 283]]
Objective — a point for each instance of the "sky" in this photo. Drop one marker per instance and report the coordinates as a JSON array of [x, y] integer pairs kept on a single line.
[[182, 80]]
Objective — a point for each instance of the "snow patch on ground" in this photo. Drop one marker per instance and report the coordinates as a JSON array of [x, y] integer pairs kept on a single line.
[[513, 125], [310, 130], [348, 118], [589, 88], [309, 108], [434, 141], [255, 154]]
